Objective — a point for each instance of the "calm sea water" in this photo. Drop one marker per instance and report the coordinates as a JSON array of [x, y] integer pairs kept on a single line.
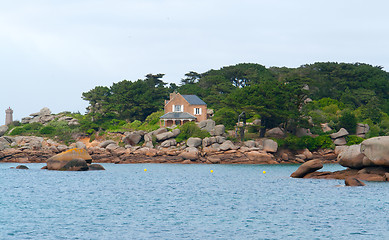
[[171, 201]]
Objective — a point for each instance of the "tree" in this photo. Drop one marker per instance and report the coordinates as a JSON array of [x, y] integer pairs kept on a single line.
[[128, 100], [276, 103]]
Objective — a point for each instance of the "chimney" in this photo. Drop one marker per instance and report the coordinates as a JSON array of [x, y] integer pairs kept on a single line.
[[8, 116], [172, 95]]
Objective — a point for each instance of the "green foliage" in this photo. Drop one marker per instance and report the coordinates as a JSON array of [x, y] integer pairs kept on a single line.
[[227, 117], [190, 129], [127, 100], [352, 139], [17, 131], [47, 130], [373, 132], [295, 143], [348, 121], [324, 141]]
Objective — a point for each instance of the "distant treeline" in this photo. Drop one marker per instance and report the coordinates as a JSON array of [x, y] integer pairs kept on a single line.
[[276, 95]]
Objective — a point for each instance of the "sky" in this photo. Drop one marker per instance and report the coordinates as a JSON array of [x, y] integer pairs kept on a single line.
[[53, 51]]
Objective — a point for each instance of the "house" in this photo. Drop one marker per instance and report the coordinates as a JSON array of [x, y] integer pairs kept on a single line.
[[183, 108]]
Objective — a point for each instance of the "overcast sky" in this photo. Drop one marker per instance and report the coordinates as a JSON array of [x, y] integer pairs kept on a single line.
[[52, 51]]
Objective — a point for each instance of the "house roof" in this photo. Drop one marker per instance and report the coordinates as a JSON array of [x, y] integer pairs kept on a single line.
[[193, 100], [177, 115]]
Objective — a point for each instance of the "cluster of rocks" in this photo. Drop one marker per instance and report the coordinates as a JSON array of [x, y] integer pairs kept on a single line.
[[339, 137], [44, 116], [368, 161]]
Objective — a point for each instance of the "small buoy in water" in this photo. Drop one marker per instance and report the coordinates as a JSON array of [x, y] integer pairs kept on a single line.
[[145, 170], [211, 171], [264, 172]]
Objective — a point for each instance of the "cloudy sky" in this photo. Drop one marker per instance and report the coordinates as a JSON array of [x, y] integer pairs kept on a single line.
[[52, 51]]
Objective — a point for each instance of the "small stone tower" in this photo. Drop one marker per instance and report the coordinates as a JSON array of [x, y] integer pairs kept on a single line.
[[8, 116]]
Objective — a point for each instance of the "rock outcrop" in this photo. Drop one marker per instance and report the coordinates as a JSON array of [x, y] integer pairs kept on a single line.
[[376, 149], [353, 182], [307, 167], [72, 160]]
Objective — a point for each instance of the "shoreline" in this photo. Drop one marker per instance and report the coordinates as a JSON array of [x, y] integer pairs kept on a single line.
[[130, 156]]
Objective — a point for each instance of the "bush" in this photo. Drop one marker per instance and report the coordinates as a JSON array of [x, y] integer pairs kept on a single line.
[[47, 130], [294, 143], [324, 141], [17, 131], [190, 129], [352, 139]]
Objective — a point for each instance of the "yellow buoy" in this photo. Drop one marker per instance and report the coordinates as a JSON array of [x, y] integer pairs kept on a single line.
[[211, 171], [264, 172], [145, 170]]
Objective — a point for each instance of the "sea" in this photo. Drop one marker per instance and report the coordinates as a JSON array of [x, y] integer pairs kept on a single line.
[[195, 201]]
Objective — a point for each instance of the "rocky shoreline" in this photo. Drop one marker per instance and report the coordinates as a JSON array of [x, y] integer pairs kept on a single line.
[[368, 161], [121, 155]]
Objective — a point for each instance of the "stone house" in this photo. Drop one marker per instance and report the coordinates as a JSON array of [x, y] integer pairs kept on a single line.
[[183, 108]]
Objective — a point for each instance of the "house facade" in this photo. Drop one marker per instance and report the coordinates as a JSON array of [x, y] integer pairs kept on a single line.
[[183, 108]]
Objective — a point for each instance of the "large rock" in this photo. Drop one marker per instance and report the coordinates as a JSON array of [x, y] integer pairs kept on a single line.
[[169, 143], [227, 145], [74, 165], [209, 141], [260, 157], [164, 136], [21, 167], [3, 130], [106, 143], [352, 157], [45, 111], [340, 141], [219, 130], [376, 149], [275, 133], [176, 132], [60, 161], [207, 125], [341, 133], [194, 142], [132, 139], [270, 145], [250, 144], [307, 167], [96, 167], [148, 137], [159, 131], [353, 182], [362, 129], [189, 155]]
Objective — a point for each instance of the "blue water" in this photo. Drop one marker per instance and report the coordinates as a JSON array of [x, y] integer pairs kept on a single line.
[[171, 201]]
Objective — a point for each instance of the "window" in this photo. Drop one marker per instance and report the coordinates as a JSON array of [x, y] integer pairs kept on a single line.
[[197, 111], [178, 108]]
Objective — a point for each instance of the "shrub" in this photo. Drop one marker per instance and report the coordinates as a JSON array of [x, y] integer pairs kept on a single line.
[[47, 130], [294, 143], [324, 141], [190, 129], [352, 139], [33, 126], [17, 131]]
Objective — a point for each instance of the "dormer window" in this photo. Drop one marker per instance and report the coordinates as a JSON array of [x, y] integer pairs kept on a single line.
[[178, 108]]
